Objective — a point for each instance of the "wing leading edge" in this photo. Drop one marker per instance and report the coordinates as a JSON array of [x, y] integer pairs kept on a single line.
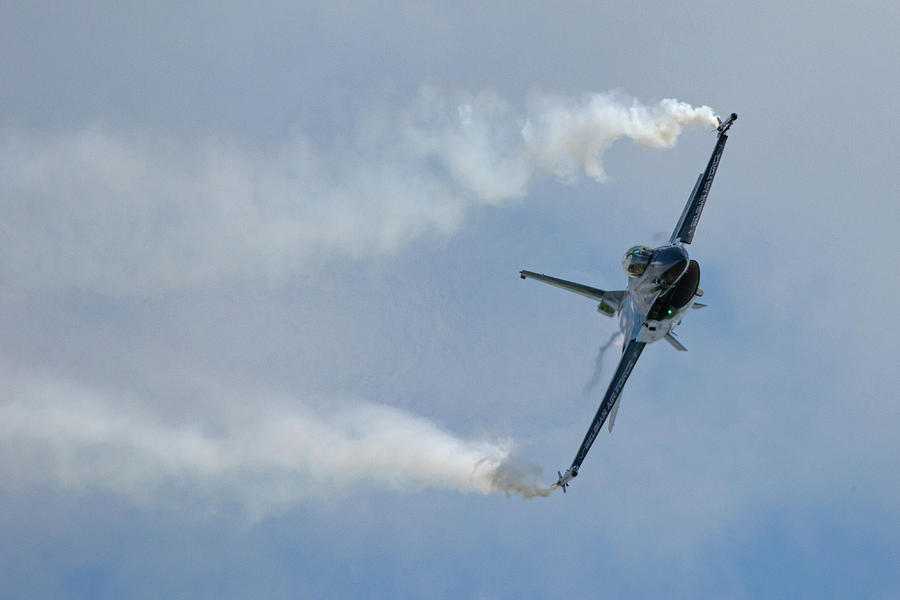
[[612, 299], [687, 224], [626, 364]]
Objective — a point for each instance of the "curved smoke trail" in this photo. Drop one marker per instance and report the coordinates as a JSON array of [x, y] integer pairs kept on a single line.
[[162, 213]]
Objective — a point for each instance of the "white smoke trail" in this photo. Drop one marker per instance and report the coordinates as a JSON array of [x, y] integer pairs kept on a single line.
[[263, 460], [134, 211], [563, 134], [112, 212]]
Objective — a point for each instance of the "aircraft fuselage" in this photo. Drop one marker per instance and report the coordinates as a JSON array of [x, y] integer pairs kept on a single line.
[[656, 300], [663, 284]]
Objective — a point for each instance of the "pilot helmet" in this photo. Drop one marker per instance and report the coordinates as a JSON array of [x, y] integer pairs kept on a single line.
[[635, 261]]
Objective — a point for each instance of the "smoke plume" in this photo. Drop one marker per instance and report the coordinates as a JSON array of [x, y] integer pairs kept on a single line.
[[261, 459], [137, 211], [598, 362]]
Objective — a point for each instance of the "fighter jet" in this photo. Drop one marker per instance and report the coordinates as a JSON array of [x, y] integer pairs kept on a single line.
[[663, 285]]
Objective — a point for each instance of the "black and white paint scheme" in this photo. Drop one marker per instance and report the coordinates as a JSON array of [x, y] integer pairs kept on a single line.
[[262, 332], [663, 285]]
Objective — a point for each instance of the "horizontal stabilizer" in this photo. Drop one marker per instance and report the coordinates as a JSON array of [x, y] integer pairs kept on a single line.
[[612, 299], [674, 341]]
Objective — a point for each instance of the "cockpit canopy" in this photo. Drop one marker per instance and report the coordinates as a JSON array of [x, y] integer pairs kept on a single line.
[[635, 261]]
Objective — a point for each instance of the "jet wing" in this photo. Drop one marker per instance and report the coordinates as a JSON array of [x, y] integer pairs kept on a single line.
[[690, 216], [613, 299], [629, 358]]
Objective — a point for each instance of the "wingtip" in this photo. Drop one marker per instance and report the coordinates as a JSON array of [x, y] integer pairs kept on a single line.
[[727, 123]]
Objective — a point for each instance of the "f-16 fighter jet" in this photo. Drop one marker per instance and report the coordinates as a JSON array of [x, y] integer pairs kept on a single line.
[[663, 284]]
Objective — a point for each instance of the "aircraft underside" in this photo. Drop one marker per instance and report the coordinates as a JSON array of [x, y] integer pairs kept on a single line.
[[663, 285]]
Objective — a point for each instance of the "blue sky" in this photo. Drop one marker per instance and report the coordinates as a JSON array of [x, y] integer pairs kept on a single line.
[[259, 302]]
